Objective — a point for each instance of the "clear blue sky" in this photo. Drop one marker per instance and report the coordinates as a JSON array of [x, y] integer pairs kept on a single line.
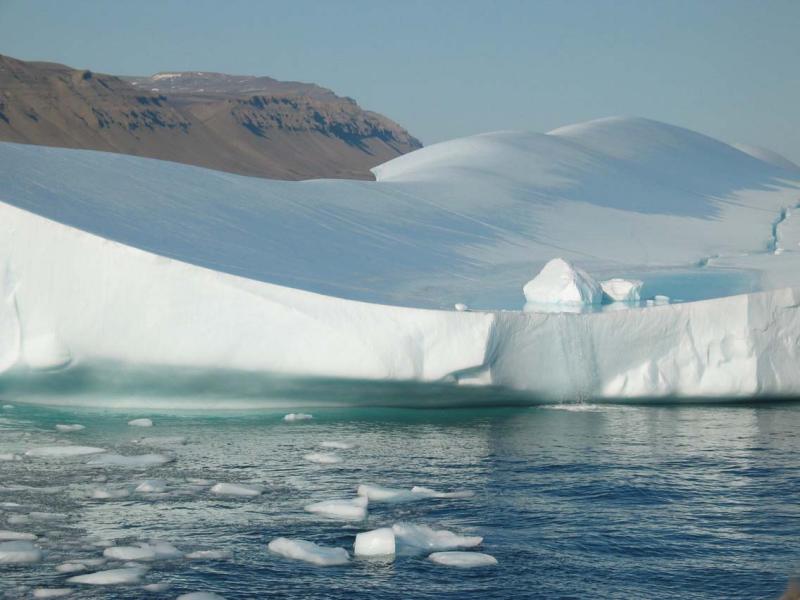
[[448, 68]]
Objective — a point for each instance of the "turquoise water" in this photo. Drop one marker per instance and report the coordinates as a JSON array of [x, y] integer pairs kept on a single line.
[[574, 501]]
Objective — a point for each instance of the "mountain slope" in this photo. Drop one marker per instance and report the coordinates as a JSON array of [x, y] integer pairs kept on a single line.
[[281, 130]]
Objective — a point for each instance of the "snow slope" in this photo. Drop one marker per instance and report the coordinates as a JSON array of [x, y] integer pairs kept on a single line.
[[108, 259]]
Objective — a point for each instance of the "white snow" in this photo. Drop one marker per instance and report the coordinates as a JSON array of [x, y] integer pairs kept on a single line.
[[236, 489], [465, 560], [622, 290], [354, 509], [297, 417], [68, 428], [378, 542], [207, 270], [110, 577], [139, 461], [560, 282], [421, 538], [323, 458], [63, 451], [19, 552], [309, 552], [141, 423]]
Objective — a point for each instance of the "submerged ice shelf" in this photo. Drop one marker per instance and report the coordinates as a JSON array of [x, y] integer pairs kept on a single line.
[[114, 260]]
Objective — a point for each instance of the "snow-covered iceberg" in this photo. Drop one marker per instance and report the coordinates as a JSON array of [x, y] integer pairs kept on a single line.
[[116, 260]]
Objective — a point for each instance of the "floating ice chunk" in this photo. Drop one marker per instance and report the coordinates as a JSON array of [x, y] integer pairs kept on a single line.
[[559, 282], [63, 451], [143, 552], [429, 493], [236, 489], [460, 307], [200, 596], [297, 417], [15, 536], [660, 299], [377, 493], [378, 542], [110, 493], [465, 560], [622, 290], [323, 458], [141, 423], [8, 407], [156, 587], [208, 555], [349, 510], [10, 457], [139, 461], [70, 567], [309, 552], [18, 519], [335, 445], [72, 427], [152, 486], [51, 592], [422, 538], [175, 440], [110, 577], [19, 552]]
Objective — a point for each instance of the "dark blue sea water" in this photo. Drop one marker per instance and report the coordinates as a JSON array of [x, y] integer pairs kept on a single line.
[[574, 501]]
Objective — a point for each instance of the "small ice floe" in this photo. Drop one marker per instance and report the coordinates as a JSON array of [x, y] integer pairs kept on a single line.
[[143, 552], [141, 423], [464, 560], [460, 307], [659, 299], [236, 489], [139, 461], [70, 567], [354, 509], [209, 555], [51, 592], [71, 427], [156, 587], [429, 493], [421, 538], [159, 441], [18, 519], [15, 536], [8, 407], [309, 552], [377, 493], [622, 290], [110, 577], [63, 451], [378, 542], [200, 596], [297, 417], [10, 457], [151, 486], [19, 552], [323, 458], [336, 445], [110, 493]]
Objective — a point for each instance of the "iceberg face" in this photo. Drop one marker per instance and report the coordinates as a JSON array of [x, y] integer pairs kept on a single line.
[[560, 282]]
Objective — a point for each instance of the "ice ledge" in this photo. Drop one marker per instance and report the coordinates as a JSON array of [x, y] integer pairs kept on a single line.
[[93, 300]]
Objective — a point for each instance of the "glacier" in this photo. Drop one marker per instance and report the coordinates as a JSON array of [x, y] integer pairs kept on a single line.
[[110, 260]]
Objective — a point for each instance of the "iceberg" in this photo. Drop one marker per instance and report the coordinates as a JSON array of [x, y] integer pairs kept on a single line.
[[206, 270], [378, 542], [622, 290]]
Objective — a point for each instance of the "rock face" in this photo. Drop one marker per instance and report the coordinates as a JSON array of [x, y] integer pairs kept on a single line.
[[248, 125]]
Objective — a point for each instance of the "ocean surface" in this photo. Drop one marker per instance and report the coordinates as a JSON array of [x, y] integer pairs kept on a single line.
[[573, 500]]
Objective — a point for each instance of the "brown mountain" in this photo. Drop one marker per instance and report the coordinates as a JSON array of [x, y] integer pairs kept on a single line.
[[249, 125]]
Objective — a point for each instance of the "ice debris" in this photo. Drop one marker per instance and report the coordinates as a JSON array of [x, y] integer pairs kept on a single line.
[[143, 552], [235, 489], [139, 461], [19, 552], [141, 423], [354, 509], [152, 486], [15, 536], [63, 451], [297, 417], [622, 290], [200, 596], [110, 577], [421, 538], [378, 542], [71, 427], [465, 560], [51, 592], [323, 458], [309, 552], [336, 445]]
